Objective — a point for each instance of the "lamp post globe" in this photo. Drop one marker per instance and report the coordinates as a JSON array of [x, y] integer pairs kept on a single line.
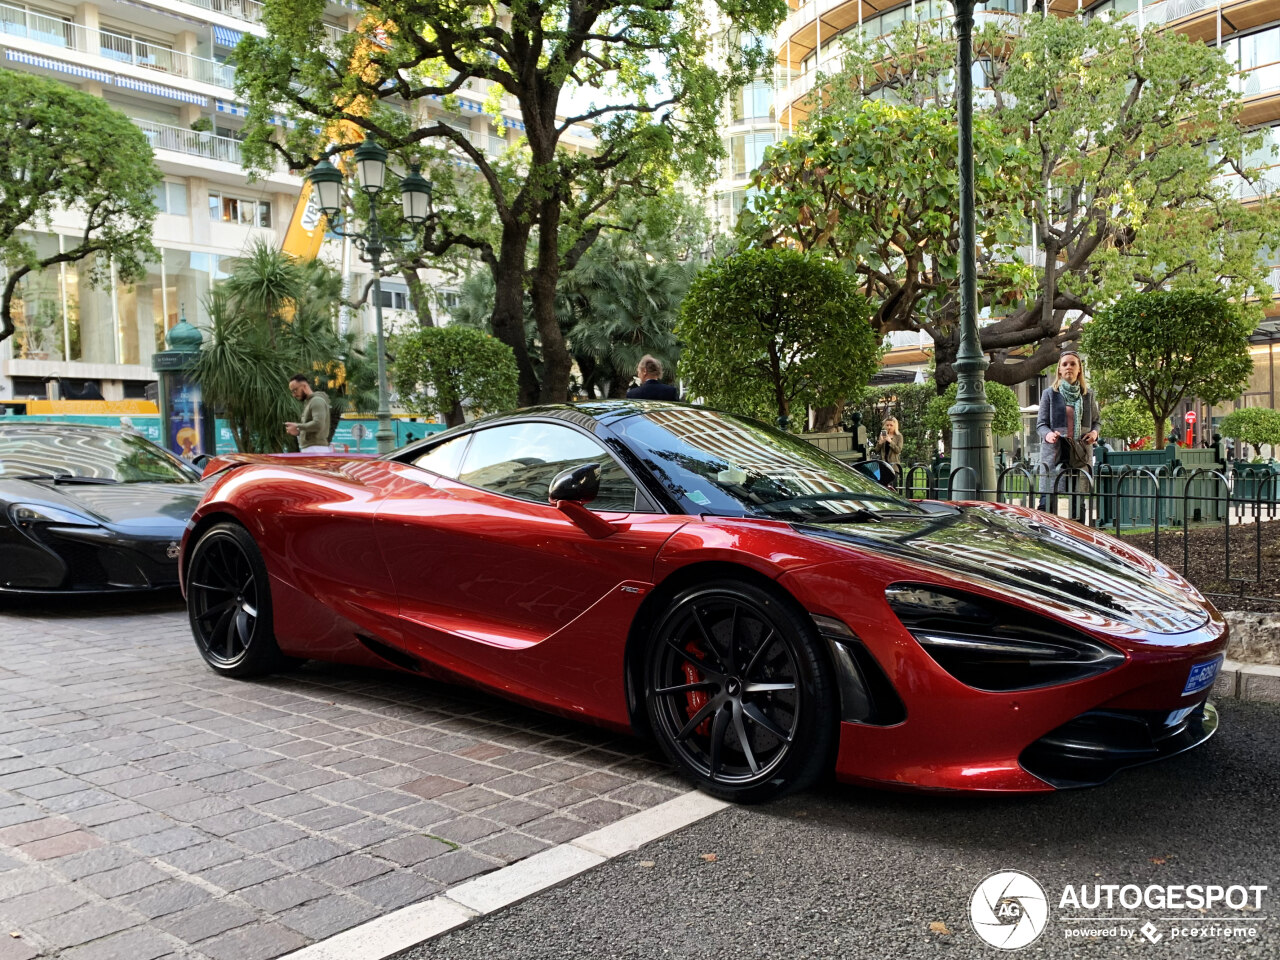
[[326, 180], [415, 196], [371, 166]]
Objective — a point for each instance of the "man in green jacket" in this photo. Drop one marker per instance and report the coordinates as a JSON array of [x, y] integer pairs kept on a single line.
[[312, 430]]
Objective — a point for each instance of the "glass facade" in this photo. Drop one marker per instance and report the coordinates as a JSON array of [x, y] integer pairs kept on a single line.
[[60, 315]]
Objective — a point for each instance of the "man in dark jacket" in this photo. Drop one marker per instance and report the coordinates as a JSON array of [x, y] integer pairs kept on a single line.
[[651, 387]]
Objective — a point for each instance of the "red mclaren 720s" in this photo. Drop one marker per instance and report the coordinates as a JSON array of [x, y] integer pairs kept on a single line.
[[766, 612]]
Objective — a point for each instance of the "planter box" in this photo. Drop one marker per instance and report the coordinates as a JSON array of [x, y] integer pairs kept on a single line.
[[1139, 504]]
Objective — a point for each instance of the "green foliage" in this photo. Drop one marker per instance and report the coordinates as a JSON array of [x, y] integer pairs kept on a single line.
[[909, 403], [653, 87], [1128, 420], [878, 187], [1253, 425], [439, 369], [769, 330], [1008, 418], [1117, 121], [1161, 347], [271, 318], [68, 150]]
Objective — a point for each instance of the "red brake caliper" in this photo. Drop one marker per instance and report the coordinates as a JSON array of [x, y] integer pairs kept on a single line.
[[696, 699]]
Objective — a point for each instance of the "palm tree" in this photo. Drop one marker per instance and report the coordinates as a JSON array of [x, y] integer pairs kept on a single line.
[[626, 306], [241, 374]]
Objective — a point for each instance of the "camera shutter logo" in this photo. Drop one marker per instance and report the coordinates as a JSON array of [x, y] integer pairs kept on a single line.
[[1009, 910]]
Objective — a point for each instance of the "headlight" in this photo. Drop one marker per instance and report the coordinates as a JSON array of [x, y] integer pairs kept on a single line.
[[25, 514], [996, 646]]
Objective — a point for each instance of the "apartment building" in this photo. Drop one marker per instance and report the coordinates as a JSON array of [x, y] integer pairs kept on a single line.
[[164, 63]]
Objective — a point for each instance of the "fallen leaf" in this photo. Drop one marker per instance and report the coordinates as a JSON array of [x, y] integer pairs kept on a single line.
[[647, 863], [1159, 860], [937, 926], [709, 857]]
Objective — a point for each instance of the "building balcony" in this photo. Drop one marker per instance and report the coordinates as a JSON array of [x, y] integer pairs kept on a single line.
[[250, 11], [193, 143], [106, 48]]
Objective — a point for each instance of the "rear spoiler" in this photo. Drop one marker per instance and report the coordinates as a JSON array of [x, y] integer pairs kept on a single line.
[[226, 461]]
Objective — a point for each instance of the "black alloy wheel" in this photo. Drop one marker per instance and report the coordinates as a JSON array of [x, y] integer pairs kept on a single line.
[[229, 603], [739, 692]]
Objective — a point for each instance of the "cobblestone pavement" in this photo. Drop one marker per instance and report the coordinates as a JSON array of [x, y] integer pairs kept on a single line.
[[149, 808]]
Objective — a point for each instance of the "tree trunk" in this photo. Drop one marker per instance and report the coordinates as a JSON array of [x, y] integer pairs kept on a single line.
[[826, 419], [455, 416], [508, 307], [556, 362], [419, 297]]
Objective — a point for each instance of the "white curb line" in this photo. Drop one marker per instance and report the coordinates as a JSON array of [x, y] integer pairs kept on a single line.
[[409, 926]]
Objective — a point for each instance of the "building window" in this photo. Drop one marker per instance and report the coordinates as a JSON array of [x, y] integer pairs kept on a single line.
[[394, 299], [753, 102], [746, 152], [250, 213], [171, 197]]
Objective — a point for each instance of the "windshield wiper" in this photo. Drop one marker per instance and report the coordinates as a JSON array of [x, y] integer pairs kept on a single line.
[[65, 478]]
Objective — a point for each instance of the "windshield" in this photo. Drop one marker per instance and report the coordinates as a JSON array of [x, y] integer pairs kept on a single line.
[[102, 457], [721, 464]]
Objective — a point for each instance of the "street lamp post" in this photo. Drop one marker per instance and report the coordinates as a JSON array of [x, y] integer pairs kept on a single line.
[[415, 195], [971, 416]]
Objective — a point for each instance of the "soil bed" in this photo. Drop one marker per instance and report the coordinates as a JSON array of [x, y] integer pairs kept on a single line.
[[1206, 563]]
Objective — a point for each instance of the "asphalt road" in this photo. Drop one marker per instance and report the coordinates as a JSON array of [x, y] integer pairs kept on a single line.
[[853, 873]]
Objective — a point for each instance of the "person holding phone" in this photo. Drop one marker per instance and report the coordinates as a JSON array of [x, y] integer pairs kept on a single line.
[[889, 449], [312, 430]]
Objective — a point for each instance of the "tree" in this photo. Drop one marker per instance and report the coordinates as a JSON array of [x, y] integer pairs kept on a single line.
[[437, 369], [769, 330], [878, 188], [1128, 420], [1253, 425], [1111, 144], [1008, 418], [1161, 347], [70, 151], [653, 125], [271, 318]]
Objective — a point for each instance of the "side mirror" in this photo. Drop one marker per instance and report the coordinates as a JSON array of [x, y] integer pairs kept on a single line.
[[199, 460], [579, 484], [869, 469], [571, 489]]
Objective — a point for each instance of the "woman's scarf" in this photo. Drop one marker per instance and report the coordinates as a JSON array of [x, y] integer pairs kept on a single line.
[[1072, 394]]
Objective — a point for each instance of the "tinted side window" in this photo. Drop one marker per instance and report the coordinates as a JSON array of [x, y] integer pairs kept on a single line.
[[521, 460], [444, 458]]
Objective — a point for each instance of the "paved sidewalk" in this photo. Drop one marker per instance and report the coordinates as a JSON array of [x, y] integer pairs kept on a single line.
[[149, 808]]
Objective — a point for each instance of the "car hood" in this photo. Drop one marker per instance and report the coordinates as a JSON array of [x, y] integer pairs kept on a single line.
[[1010, 550], [158, 509]]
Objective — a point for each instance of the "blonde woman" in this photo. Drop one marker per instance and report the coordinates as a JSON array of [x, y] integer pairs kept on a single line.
[[889, 448], [1067, 409]]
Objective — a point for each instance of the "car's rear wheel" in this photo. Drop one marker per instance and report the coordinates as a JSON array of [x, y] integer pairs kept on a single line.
[[739, 692], [229, 603]]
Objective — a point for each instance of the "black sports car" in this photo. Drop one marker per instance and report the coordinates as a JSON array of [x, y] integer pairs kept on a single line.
[[90, 509]]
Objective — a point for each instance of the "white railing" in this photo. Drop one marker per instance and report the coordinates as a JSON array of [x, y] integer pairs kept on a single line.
[[66, 35], [247, 10], [161, 136]]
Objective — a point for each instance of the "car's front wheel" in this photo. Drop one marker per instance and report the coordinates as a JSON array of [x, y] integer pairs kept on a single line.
[[229, 603], [739, 692]]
